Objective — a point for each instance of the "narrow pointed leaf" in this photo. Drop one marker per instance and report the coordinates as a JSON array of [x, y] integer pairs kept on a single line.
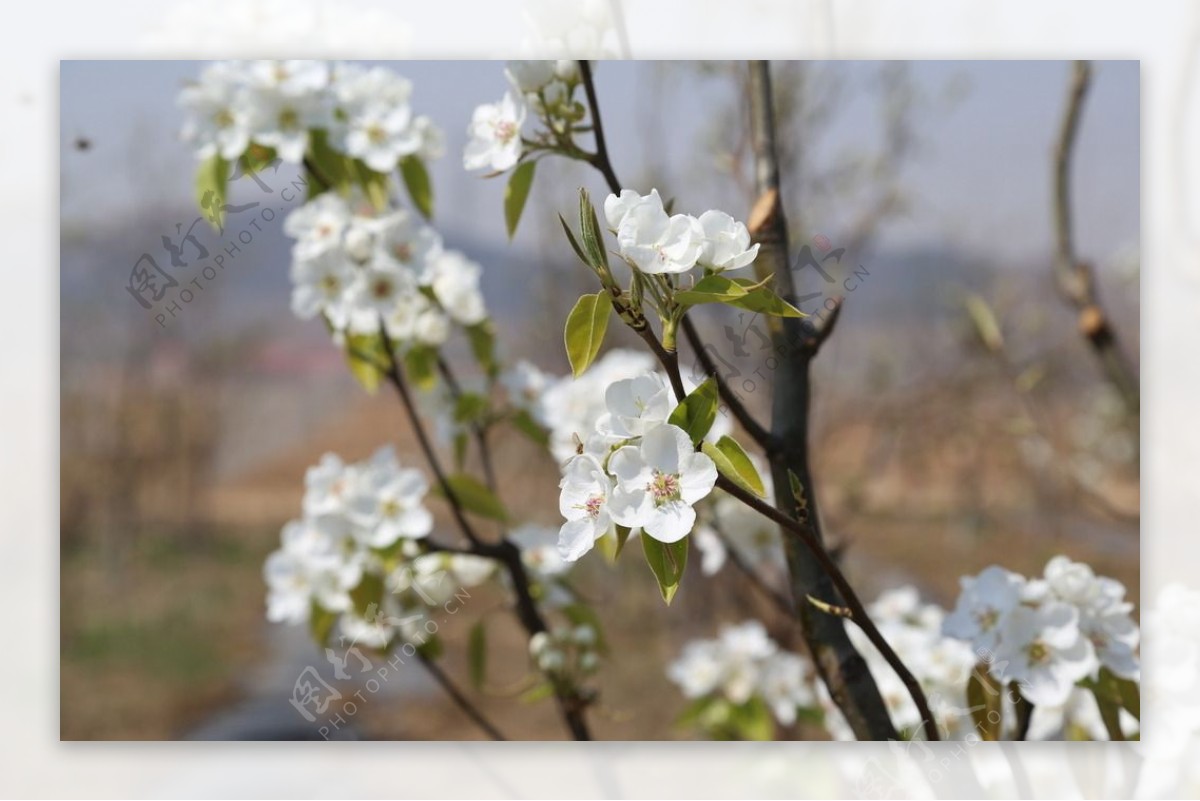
[[734, 463], [667, 561], [696, 413], [516, 193], [211, 183], [474, 497], [416, 180]]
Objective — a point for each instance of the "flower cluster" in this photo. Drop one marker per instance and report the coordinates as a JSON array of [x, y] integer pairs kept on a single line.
[[1049, 633], [622, 463], [360, 555], [941, 665], [657, 243], [545, 87], [356, 269], [566, 653], [363, 112], [741, 664], [569, 408], [363, 525]]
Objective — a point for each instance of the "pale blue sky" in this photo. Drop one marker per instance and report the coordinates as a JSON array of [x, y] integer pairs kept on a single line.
[[982, 181]]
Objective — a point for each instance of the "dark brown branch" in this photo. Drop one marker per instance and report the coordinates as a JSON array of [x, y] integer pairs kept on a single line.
[[841, 666], [599, 159], [1076, 279], [478, 431], [752, 427], [460, 700], [781, 601], [571, 705], [807, 535]]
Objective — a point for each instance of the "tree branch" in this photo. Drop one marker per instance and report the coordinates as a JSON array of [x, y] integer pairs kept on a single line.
[[781, 601], [840, 664], [571, 705], [599, 159], [1075, 278], [805, 532], [752, 427], [460, 700], [478, 431]]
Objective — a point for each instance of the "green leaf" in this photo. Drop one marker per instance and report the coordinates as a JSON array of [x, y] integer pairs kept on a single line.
[[374, 184], [797, 488], [460, 449], [477, 654], [584, 333], [474, 497], [420, 363], [470, 407], [622, 537], [320, 623], [537, 693], [696, 713], [524, 422], [742, 293], [416, 180], [985, 322], [483, 345], [365, 354], [733, 463], [984, 700], [516, 193], [211, 183], [696, 413], [1112, 695], [255, 158], [752, 721], [431, 648], [367, 593], [574, 242], [329, 168], [667, 561], [590, 233]]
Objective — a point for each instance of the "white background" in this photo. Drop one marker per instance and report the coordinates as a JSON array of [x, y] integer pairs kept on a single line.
[[1164, 36]]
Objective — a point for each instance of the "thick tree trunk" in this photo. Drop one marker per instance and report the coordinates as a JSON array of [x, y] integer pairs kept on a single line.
[[795, 344]]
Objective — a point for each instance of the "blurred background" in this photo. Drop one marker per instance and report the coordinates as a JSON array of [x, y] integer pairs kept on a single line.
[[184, 441]]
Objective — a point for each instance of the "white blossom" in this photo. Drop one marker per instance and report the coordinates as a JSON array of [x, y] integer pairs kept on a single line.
[[583, 502], [656, 242], [495, 132], [530, 76], [455, 281], [636, 405], [726, 244], [217, 112], [1044, 652], [658, 481], [982, 606]]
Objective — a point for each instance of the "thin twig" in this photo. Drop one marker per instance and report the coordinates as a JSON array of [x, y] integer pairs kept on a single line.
[[571, 705], [858, 613], [603, 162], [1075, 278], [599, 159], [477, 430], [752, 427], [781, 601], [459, 698], [841, 666]]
